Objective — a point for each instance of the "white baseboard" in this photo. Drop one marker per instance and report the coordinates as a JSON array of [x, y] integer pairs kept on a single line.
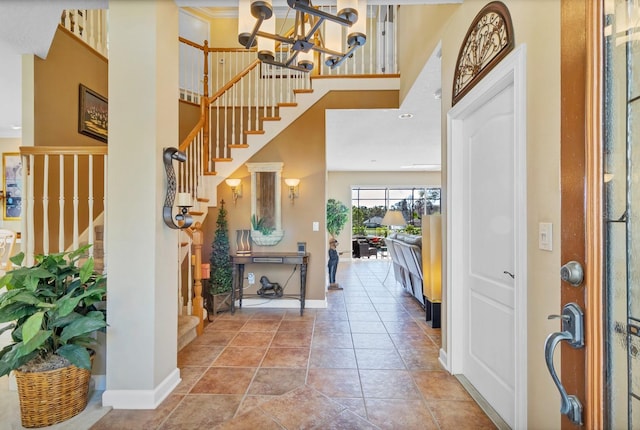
[[282, 303], [444, 360], [142, 399]]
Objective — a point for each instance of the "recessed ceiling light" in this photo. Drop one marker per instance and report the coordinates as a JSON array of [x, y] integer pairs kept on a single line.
[[405, 116], [16, 127]]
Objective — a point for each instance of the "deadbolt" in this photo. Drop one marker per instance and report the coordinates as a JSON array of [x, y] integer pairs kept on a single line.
[[572, 273]]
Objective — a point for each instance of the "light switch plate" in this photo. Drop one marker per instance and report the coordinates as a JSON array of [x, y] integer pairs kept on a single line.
[[545, 236], [316, 226]]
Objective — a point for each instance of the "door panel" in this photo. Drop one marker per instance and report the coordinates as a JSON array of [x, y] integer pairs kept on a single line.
[[489, 350]]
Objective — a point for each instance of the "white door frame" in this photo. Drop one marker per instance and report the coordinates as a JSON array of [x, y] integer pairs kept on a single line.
[[510, 71]]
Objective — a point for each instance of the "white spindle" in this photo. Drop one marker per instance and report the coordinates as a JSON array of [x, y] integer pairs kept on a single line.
[[61, 206], [75, 202], [45, 206], [90, 207], [30, 212], [105, 242]]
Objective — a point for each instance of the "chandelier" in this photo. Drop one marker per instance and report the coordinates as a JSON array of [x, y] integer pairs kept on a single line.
[[315, 30]]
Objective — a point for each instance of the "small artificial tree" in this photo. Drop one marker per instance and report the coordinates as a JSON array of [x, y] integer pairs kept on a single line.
[[221, 268], [337, 216]]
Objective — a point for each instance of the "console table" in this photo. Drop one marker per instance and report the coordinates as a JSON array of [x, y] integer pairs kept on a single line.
[[267, 258]]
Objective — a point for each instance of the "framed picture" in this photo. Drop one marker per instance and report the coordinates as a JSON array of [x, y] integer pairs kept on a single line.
[[93, 116], [12, 186]]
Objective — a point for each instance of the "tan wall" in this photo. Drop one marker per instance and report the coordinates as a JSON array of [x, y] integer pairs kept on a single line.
[[189, 115], [419, 31], [56, 83], [543, 155], [301, 147], [339, 186]]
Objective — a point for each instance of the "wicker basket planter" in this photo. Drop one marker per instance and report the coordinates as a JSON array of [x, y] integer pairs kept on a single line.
[[52, 396]]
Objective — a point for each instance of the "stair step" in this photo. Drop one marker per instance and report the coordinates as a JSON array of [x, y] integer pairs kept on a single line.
[[225, 160], [238, 146], [293, 104], [196, 213], [302, 91], [270, 118], [186, 330], [203, 199], [254, 132]]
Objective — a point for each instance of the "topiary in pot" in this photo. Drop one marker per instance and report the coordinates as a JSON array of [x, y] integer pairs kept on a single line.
[[53, 310], [221, 268]]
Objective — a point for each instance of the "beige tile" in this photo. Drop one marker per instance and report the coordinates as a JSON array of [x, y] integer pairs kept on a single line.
[[126, 419], [240, 356], [459, 415], [224, 380], [198, 356], [311, 408], [286, 357], [379, 359], [257, 339], [253, 419], [400, 414], [333, 358], [346, 420], [439, 385], [274, 382], [335, 382], [388, 384], [201, 411], [189, 376]]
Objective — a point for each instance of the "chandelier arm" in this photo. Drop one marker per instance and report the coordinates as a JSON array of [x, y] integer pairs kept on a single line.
[[254, 33], [319, 13], [278, 64], [279, 38]]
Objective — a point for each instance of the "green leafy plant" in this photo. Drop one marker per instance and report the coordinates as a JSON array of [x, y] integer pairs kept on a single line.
[[337, 216], [260, 224], [221, 268], [53, 307]]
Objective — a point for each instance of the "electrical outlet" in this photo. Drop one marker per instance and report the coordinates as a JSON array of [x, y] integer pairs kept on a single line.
[[251, 278]]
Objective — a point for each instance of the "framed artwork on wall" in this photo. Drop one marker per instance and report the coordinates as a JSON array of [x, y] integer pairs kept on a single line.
[[93, 115], [12, 186]]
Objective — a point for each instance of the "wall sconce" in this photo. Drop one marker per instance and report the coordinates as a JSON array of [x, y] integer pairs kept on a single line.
[[182, 219], [294, 189], [236, 187]]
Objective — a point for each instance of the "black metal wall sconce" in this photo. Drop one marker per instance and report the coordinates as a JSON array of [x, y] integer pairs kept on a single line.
[[182, 219]]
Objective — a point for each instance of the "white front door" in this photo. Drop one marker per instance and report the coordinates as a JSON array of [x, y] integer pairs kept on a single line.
[[487, 244]]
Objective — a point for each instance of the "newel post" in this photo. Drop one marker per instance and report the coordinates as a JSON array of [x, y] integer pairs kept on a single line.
[[197, 237]]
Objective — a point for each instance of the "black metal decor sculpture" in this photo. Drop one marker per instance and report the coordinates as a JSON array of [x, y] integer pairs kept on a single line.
[[183, 219]]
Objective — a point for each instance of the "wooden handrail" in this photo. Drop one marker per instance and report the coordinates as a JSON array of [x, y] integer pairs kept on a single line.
[[234, 80], [65, 150]]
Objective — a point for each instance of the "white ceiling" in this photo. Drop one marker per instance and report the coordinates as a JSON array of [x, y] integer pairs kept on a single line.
[[361, 140]]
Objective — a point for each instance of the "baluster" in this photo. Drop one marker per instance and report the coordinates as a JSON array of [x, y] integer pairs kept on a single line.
[[105, 251], [91, 16], [28, 177], [197, 240], [45, 206], [91, 239], [75, 202], [189, 281], [61, 206], [395, 39]]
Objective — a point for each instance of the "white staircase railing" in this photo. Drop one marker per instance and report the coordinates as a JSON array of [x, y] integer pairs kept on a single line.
[[75, 179], [89, 25]]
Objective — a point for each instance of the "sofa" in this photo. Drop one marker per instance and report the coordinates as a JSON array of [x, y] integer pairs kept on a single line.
[[406, 256], [409, 263]]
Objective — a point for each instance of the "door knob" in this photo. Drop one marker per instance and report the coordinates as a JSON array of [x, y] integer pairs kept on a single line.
[[572, 273]]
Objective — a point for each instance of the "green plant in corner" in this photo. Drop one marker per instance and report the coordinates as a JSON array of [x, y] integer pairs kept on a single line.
[[221, 268], [337, 216], [259, 224], [54, 308]]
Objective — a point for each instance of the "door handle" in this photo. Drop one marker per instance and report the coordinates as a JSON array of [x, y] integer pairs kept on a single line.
[[572, 332]]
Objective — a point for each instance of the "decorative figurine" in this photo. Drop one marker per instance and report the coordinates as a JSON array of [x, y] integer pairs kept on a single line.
[[334, 257], [269, 288]]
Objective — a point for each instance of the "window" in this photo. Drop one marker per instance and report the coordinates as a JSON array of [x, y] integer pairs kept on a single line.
[[370, 204]]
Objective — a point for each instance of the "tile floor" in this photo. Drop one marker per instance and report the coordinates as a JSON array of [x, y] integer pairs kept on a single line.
[[368, 361]]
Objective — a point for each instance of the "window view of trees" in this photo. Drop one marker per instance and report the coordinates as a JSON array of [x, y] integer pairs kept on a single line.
[[370, 204]]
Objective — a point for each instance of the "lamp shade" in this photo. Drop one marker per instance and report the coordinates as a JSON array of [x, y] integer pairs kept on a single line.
[[393, 218], [233, 182], [292, 182]]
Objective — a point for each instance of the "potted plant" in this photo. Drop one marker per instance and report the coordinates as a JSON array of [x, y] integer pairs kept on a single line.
[[55, 308], [220, 281]]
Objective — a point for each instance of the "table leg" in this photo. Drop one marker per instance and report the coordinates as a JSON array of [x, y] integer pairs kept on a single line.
[[240, 280], [303, 286], [233, 288]]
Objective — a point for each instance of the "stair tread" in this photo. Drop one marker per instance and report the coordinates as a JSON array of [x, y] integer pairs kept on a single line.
[[293, 104], [254, 132], [302, 91], [202, 199], [222, 159], [270, 118], [239, 145], [196, 213]]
